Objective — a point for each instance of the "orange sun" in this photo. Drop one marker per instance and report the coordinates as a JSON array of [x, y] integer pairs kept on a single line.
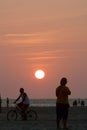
[[39, 74]]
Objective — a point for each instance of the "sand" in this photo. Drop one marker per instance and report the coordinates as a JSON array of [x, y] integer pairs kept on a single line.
[[77, 120]]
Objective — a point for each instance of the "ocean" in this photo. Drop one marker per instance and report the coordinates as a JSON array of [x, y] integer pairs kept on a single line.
[[44, 102]]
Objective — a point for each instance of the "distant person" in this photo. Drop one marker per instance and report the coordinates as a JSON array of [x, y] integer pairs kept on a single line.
[[25, 102], [78, 101], [0, 103], [75, 103], [62, 104], [7, 101], [82, 103]]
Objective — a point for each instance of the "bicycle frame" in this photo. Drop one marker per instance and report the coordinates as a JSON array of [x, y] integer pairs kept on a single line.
[[29, 114]]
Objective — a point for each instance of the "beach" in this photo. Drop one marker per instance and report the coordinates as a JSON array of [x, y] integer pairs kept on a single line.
[[46, 120]]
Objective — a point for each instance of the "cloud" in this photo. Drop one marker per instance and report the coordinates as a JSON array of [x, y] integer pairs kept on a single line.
[[18, 35], [45, 58], [45, 55]]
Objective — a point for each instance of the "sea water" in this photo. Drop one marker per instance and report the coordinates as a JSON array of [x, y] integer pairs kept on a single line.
[[43, 102]]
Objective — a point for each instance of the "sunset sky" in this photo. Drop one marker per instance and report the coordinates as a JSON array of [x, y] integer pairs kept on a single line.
[[43, 34]]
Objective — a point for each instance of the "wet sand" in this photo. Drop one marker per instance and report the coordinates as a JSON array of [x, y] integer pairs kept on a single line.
[[46, 120]]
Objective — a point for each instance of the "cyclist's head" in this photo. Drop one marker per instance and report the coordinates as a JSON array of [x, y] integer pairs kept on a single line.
[[21, 90]]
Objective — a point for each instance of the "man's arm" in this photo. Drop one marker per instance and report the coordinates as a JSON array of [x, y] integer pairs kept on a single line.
[[57, 92], [68, 91], [17, 98]]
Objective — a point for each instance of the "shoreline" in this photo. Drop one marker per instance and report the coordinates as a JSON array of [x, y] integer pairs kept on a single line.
[[45, 102]]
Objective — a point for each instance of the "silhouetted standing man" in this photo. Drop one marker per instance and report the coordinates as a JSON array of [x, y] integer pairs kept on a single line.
[[62, 104]]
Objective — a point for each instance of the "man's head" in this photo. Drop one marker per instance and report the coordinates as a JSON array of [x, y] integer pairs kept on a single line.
[[63, 81], [21, 90]]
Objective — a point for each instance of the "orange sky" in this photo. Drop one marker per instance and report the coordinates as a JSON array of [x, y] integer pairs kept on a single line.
[[49, 35]]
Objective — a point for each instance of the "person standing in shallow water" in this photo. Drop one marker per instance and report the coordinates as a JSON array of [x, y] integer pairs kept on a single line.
[[7, 102], [62, 104]]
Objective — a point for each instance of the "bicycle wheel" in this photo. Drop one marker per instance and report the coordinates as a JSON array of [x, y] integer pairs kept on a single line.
[[12, 115], [31, 115]]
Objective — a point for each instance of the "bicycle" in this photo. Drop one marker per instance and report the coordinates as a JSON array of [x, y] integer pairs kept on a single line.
[[16, 113]]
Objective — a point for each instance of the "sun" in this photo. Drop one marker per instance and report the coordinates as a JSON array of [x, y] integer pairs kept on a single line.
[[39, 74]]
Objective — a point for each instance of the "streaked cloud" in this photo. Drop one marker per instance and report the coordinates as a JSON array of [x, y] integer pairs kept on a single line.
[[18, 35], [45, 58]]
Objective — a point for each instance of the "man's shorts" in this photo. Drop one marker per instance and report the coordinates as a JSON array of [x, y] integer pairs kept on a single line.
[[23, 106], [62, 111]]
